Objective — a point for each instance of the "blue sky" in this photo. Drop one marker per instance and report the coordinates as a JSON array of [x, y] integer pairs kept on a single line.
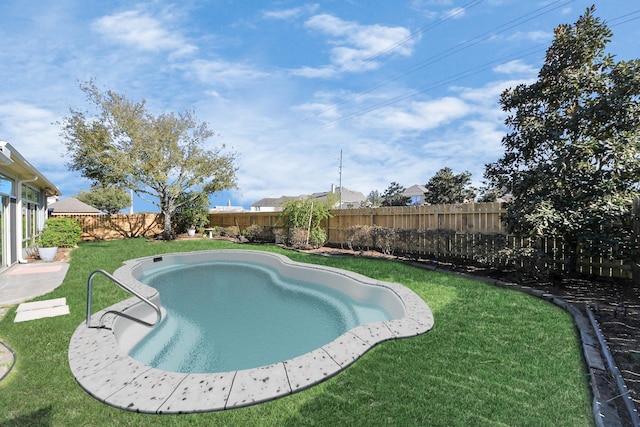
[[402, 88]]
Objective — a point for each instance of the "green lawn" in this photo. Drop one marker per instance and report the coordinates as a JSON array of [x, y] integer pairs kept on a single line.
[[494, 357]]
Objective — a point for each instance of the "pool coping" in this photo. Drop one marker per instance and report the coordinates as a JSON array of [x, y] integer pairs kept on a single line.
[[110, 375]]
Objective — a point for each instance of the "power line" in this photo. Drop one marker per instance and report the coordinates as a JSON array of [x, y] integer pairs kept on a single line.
[[448, 80], [456, 49], [414, 35], [455, 77], [624, 16]]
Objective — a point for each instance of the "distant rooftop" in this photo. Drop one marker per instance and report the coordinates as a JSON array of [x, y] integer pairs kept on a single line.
[[72, 205]]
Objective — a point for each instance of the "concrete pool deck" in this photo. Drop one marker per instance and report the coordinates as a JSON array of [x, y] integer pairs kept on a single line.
[[110, 375], [23, 282]]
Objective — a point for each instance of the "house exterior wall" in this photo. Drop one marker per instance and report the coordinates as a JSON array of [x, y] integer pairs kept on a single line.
[[23, 204], [266, 208]]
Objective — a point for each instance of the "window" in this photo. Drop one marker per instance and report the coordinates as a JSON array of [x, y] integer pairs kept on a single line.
[[32, 215], [6, 186]]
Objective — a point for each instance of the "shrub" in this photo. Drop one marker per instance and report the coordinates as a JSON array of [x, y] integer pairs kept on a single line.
[[232, 231], [384, 239], [193, 212], [297, 237], [259, 233], [60, 232], [359, 237], [303, 218]]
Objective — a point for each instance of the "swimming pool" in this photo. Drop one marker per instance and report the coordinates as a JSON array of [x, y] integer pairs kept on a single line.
[[231, 315], [100, 360]]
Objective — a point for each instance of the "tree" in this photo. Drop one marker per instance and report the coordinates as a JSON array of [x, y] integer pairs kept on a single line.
[[303, 218], [446, 188], [572, 158], [109, 199], [393, 196], [487, 193], [373, 199], [160, 157]]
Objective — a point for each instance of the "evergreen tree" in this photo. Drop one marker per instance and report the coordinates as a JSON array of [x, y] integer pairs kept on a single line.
[[572, 158], [109, 199], [393, 196], [446, 188]]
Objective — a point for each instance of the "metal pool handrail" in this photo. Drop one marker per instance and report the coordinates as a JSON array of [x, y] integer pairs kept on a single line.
[[119, 313]]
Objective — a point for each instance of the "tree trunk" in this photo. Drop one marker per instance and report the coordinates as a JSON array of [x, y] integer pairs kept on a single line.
[[572, 257], [167, 210]]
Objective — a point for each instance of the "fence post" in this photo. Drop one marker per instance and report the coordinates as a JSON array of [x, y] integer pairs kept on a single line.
[[635, 266]]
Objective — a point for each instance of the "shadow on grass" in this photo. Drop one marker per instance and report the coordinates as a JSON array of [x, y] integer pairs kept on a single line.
[[41, 417]]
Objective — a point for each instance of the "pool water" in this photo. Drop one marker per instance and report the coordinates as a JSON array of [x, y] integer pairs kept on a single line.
[[232, 315]]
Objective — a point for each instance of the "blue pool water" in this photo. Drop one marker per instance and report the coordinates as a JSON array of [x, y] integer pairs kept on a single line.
[[225, 316]]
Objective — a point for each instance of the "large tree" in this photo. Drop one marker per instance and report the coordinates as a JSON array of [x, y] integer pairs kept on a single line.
[[572, 158], [161, 157], [446, 188], [110, 199]]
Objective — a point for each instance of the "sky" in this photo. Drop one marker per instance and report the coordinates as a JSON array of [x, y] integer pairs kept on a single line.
[[361, 93]]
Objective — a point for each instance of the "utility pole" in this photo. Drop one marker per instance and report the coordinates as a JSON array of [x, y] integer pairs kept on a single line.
[[340, 181]]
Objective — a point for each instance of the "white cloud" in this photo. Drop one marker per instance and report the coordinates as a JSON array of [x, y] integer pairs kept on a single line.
[[421, 115], [426, 8], [32, 131], [421, 4], [221, 72], [357, 45], [515, 67], [140, 31], [456, 12], [319, 109], [315, 73], [291, 13], [534, 36], [488, 95]]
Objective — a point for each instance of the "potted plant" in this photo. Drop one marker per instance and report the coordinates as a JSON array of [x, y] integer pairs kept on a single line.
[[58, 233]]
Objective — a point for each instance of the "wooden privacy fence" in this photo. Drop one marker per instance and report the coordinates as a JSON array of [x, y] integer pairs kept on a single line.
[[464, 217], [461, 218], [116, 226], [470, 231]]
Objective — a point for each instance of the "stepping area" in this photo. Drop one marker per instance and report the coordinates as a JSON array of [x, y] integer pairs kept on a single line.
[[41, 309]]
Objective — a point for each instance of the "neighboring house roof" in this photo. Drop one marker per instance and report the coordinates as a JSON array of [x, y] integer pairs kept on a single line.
[[226, 209], [272, 202], [72, 205], [415, 191], [349, 198]]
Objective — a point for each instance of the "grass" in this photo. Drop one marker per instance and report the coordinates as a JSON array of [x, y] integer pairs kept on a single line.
[[495, 357]]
